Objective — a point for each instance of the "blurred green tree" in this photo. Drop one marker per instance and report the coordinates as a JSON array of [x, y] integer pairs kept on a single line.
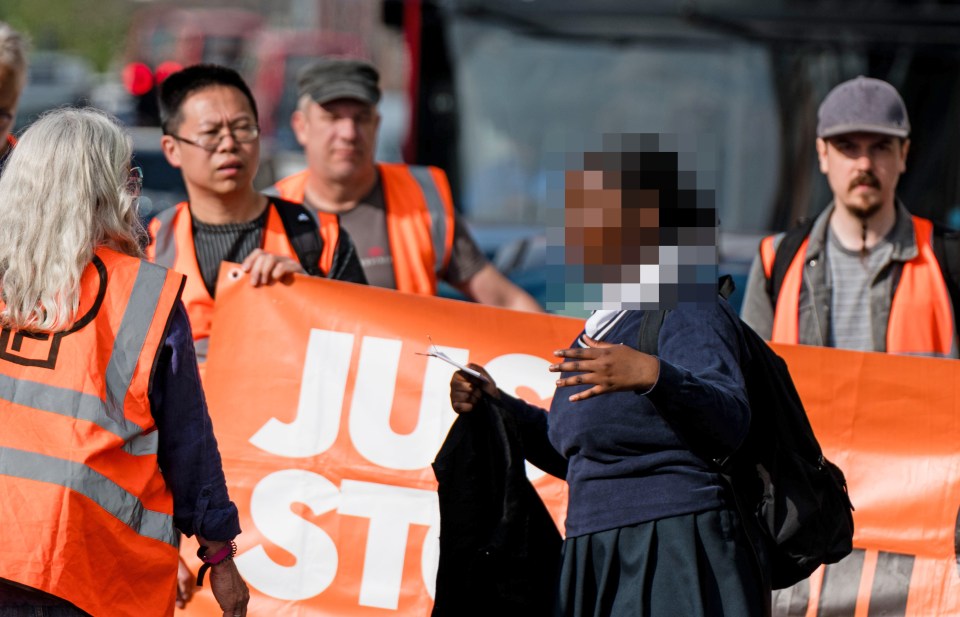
[[95, 29]]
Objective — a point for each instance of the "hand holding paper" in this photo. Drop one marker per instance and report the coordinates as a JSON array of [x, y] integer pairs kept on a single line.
[[436, 353]]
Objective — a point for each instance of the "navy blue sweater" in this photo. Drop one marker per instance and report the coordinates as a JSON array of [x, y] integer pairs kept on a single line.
[[628, 454]]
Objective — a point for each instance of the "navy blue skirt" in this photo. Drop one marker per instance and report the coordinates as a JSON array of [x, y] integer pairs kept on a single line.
[[694, 565]]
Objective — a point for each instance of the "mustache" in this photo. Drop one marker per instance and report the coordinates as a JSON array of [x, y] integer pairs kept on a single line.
[[865, 178]]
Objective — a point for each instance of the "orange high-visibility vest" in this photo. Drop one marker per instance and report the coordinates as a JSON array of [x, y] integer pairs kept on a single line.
[[292, 188], [171, 245], [921, 314], [86, 515], [419, 214]]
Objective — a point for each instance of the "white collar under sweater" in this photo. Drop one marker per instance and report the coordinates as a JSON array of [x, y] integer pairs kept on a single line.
[[599, 323]]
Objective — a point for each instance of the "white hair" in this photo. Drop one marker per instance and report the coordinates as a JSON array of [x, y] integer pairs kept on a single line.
[[63, 194], [13, 51]]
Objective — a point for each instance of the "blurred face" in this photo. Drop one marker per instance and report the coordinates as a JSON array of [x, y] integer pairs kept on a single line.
[[633, 239], [863, 170], [600, 233], [339, 138], [215, 112], [592, 219], [11, 85]]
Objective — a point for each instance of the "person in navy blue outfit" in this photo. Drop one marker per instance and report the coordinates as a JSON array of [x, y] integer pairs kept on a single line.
[[651, 528]]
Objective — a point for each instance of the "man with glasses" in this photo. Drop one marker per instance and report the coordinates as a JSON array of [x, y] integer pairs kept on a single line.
[[13, 77], [209, 121]]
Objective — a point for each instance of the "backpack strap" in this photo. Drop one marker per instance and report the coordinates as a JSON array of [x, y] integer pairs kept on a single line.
[[649, 334], [785, 252], [303, 233], [648, 339], [726, 286], [946, 248]]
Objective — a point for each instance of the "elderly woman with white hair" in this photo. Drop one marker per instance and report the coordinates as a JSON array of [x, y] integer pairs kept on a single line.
[[107, 447]]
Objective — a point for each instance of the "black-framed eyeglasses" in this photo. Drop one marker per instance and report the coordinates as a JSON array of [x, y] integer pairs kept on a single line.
[[243, 134], [134, 182]]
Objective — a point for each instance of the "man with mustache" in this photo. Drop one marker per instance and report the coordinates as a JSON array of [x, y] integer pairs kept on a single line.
[[211, 133], [865, 274]]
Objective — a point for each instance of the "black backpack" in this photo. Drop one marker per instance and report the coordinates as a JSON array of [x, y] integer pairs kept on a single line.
[[303, 232], [793, 501]]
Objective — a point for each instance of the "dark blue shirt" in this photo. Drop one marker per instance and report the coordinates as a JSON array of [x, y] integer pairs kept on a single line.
[[631, 456], [188, 454]]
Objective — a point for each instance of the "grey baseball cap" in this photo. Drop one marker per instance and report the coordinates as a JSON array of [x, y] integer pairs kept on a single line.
[[863, 105], [338, 78]]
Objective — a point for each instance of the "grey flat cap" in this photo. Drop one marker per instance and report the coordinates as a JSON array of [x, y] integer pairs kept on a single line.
[[337, 78], [863, 105]]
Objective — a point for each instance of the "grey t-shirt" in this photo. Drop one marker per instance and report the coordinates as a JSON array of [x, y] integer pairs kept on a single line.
[[852, 274], [226, 242], [367, 226]]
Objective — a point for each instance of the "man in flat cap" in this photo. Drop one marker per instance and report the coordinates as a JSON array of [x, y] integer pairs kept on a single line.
[[865, 274], [401, 217]]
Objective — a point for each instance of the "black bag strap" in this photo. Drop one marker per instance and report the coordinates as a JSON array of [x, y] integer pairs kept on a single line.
[[303, 233], [946, 248], [649, 335], [786, 251], [726, 286], [648, 339]]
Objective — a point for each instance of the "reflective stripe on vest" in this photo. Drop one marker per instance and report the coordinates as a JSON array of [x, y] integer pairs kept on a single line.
[[79, 439], [419, 219], [921, 315], [125, 506], [419, 224], [172, 246]]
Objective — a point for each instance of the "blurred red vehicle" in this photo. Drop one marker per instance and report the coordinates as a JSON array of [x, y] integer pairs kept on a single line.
[[163, 40]]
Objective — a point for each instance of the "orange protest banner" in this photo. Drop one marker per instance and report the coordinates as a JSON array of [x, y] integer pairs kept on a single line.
[[328, 420], [892, 423]]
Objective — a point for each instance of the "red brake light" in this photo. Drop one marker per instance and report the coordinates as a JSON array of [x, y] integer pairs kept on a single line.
[[137, 78], [165, 69]]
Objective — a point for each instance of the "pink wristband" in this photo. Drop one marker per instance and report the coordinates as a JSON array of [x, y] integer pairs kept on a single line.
[[229, 550], [224, 554]]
